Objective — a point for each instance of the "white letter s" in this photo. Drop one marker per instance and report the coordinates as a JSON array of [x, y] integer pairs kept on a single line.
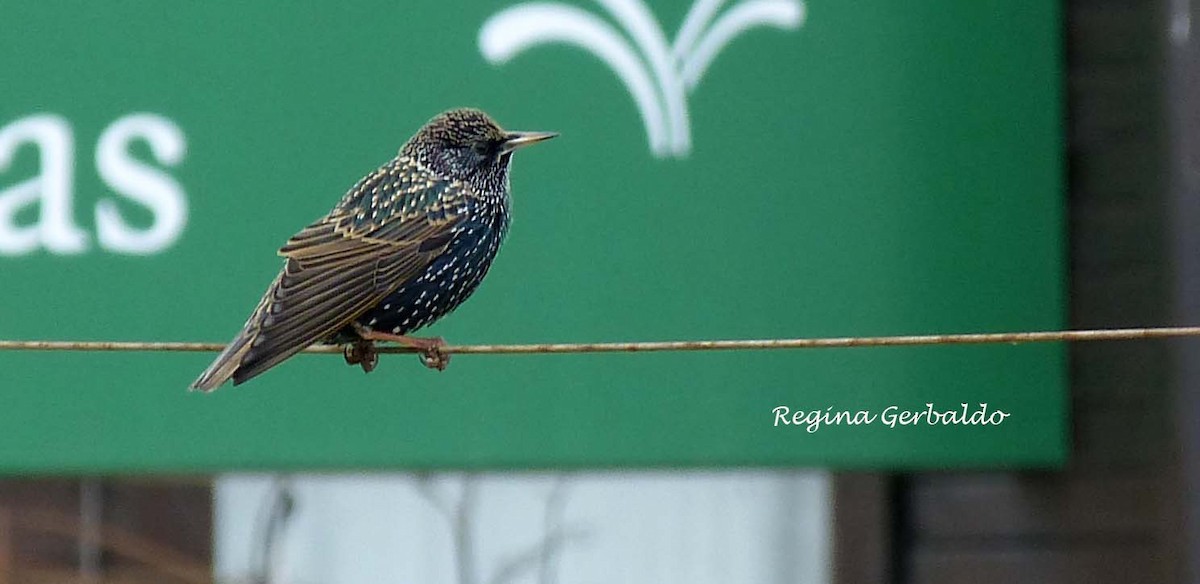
[[148, 186]]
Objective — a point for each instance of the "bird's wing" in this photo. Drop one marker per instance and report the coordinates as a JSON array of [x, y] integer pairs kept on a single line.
[[385, 231]]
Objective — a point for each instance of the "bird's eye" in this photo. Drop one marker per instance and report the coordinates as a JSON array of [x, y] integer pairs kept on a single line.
[[480, 148]]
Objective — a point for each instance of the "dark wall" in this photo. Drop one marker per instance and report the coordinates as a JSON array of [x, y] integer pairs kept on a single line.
[[105, 530]]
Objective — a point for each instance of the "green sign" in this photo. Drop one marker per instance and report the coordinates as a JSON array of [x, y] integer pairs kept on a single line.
[[742, 169]]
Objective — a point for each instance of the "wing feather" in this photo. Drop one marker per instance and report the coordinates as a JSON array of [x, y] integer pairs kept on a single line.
[[342, 265]]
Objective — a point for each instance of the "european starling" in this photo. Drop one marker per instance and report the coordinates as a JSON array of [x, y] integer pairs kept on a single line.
[[404, 247]]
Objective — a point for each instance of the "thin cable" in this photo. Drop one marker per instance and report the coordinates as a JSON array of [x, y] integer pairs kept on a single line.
[[659, 346]]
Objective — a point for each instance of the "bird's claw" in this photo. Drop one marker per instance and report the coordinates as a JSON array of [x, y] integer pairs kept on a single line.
[[432, 355], [362, 353]]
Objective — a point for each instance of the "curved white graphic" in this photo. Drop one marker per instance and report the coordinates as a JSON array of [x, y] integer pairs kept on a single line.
[[657, 75], [513, 30]]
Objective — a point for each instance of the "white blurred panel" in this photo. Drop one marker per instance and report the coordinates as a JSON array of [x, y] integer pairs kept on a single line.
[[524, 528]]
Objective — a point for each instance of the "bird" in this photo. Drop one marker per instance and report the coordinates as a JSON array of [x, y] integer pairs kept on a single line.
[[406, 245]]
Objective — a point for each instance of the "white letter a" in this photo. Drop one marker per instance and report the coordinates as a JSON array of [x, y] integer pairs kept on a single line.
[[54, 227]]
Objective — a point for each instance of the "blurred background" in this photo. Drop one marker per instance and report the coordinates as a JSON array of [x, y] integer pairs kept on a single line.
[[727, 169]]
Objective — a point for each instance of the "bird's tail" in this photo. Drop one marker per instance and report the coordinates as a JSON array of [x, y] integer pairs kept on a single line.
[[236, 352], [226, 363]]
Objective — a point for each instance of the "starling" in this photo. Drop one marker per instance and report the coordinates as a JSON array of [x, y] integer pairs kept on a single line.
[[404, 247]]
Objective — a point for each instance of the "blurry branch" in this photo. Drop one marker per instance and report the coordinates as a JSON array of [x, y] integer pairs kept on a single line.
[[556, 504], [463, 513], [463, 545], [538, 557], [277, 510], [659, 346], [424, 484], [555, 537], [458, 518]]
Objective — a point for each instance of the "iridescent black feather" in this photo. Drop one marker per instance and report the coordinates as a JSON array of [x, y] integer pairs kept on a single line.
[[405, 246]]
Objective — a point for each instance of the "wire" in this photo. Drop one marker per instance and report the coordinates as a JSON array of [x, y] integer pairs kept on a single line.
[[648, 347]]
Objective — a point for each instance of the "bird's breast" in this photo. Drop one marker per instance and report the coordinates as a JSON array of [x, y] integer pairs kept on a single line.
[[449, 279]]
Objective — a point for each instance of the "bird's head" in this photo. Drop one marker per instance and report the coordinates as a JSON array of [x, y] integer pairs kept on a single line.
[[465, 144]]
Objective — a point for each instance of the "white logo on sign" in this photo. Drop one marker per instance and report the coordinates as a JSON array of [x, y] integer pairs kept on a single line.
[[677, 67]]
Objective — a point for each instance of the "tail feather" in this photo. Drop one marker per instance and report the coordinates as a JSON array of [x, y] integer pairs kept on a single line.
[[267, 338], [247, 356], [226, 364], [234, 356]]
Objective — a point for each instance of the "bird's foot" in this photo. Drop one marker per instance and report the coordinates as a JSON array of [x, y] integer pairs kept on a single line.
[[431, 352], [431, 349], [362, 353]]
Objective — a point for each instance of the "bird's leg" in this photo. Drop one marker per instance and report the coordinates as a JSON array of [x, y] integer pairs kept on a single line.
[[430, 348], [361, 352]]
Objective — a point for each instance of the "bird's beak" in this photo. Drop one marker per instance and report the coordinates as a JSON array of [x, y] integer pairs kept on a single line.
[[517, 140]]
